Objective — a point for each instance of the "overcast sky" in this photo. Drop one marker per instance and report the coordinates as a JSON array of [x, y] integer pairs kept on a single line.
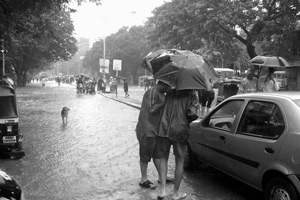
[[95, 22]]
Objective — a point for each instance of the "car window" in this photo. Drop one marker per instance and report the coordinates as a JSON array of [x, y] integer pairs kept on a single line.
[[225, 115], [262, 119]]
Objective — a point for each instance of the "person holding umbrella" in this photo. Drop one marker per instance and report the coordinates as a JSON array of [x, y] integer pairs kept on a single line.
[[267, 83], [146, 129], [179, 111], [249, 83]]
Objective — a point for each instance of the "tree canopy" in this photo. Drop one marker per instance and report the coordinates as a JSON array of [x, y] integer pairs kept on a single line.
[[128, 45], [36, 33], [223, 26]]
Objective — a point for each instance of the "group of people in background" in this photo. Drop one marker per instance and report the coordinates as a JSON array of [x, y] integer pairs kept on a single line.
[[265, 83]]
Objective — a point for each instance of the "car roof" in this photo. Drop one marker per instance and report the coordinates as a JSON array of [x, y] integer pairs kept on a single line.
[[293, 95]]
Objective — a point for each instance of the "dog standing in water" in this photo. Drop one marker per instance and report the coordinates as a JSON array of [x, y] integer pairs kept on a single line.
[[64, 114]]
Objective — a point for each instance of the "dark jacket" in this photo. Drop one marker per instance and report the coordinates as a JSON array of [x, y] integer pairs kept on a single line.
[[179, 111], [150, 113]]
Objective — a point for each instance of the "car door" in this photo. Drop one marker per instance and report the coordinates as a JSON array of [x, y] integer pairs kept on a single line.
[[209, 139], [256, 142]]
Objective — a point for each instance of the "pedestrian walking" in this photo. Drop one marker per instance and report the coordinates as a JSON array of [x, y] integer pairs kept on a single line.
[[180, 109], [125, 87], [146, 129], [146, 83], [43, 82], [206, 98], [267, 83], [249, 83]]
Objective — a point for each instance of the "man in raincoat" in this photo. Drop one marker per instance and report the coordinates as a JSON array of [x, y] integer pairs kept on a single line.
[[179, 111], [146, 129]]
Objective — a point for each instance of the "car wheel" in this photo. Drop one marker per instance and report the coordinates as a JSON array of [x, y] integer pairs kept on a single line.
[[280, 188], [189, 160]]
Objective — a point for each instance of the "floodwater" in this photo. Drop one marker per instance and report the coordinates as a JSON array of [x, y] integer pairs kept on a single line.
[[95, 155]]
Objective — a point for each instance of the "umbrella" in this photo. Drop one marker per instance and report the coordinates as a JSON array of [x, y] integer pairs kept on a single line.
[[182, 78], [189, 78], [156, 62], [269, 61]]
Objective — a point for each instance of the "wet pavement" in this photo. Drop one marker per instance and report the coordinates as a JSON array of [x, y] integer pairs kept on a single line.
[[95, 155]]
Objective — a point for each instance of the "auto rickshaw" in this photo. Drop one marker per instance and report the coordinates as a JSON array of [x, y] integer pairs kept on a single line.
[[227, 88], [10, 188], [10, 136]]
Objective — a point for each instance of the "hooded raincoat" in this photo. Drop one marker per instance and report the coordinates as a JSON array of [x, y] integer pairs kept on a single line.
[[179, 111]]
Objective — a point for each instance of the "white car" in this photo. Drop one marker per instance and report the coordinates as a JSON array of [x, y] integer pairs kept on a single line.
[[254, 138]]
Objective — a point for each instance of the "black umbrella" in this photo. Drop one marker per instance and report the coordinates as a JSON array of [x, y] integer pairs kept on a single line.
[[157, 63]]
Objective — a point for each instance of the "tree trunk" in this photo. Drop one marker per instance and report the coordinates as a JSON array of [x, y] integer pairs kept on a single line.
[[251, 50]]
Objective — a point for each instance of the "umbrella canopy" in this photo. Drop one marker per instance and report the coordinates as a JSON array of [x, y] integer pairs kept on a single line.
[[189, 78], [269, 61], [183, 78], [158, 63]]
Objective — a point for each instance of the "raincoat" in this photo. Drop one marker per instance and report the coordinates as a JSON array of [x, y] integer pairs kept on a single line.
[[151, 108], [179, 111]]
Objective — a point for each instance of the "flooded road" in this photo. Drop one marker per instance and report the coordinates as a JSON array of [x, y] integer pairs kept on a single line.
[[95, 155]]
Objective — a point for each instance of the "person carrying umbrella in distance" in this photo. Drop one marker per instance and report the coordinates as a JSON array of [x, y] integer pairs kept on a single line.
[[249, 83], [267, 83], [146, 130]]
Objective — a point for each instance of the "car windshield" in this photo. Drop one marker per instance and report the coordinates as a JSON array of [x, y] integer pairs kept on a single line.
[[8, 107]]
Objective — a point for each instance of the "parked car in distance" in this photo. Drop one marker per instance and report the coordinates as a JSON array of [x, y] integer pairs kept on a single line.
[[9, 188], [254, 138]]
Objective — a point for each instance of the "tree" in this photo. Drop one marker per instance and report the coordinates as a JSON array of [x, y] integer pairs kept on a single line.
[[43, 45], [128, 45], [219, 25], [36, 33]]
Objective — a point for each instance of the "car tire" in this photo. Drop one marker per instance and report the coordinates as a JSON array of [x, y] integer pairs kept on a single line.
[[189, 160], [280, 188]]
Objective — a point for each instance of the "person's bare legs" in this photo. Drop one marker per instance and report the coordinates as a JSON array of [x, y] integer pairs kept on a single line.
[[163, 170], [202, 111], [143, 167], [179, 150], [157, 165]]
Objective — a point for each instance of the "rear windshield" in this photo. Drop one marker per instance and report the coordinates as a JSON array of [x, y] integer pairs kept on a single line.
[[8, 107]]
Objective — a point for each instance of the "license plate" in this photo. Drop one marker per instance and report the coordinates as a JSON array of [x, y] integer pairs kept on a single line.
[[9, 139]]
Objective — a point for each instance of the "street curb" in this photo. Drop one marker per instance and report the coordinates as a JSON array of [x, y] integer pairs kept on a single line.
[[124, 102]]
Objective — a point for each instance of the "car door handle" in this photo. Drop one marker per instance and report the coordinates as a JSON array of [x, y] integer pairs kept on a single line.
[[222, 137], [269, 150]]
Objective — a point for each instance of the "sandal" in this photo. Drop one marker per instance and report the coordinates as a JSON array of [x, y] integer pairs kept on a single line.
[[147, 184], [181, 196], [168, 180]]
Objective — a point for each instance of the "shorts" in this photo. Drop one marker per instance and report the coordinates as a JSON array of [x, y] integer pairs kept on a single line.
[[147, 148], [163, 148]]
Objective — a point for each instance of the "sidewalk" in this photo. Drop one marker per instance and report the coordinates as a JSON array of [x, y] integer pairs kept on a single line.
[[135, 96]]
